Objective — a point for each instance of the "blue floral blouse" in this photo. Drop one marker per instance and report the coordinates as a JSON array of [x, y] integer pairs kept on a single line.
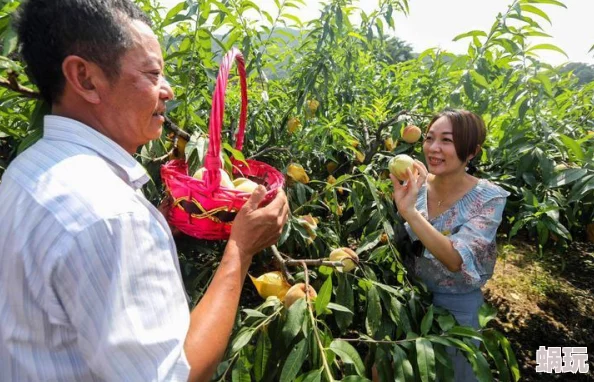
[[471, 225]]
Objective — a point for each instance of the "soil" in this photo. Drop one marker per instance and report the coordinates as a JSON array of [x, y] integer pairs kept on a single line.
[[544, 300]]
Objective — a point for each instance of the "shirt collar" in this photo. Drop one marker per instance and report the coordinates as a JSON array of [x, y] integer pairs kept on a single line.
[[58, 128]]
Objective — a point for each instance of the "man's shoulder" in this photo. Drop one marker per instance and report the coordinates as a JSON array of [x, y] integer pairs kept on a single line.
[[77, 188]]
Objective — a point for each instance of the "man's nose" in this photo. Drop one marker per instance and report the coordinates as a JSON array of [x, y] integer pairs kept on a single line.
[[166, 90]]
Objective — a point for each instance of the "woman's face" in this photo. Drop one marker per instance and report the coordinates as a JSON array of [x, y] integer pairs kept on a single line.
[[440, 152]]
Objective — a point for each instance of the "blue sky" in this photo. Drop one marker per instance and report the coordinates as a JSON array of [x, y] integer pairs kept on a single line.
[[434, 23]]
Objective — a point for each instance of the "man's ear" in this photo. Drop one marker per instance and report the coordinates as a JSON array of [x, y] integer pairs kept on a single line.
[[84, 78]]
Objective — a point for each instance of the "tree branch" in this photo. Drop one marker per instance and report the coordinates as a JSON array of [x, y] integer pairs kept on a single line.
[[269, 149], [176, 129], [12, 84], [283, 266]]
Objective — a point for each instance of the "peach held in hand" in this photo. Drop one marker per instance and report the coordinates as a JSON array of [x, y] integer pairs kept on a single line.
[[399, 164]]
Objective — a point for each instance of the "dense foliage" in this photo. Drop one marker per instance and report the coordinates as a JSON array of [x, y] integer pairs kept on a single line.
[[368, 86]]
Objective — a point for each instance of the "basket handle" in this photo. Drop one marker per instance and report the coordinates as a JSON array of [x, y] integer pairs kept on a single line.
[[212, 162]]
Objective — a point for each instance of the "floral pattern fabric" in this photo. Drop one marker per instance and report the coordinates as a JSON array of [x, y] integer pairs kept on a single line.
[[471, 225]]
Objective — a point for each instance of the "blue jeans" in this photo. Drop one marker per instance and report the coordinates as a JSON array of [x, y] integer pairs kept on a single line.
[[464, 307]]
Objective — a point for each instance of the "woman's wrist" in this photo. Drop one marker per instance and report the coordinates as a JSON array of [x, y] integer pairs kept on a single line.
[[410, 215]]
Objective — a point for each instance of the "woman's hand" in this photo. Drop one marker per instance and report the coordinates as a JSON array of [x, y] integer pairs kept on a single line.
[[405, 195]]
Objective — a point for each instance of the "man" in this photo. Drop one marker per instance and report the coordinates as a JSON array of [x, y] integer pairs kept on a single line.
[[89, 276]]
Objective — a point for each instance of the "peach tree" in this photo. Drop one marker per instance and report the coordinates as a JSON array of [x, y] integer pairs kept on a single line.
[[332, 97]]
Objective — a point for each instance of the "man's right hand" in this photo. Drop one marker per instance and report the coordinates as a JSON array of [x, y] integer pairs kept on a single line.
[[256, 228]]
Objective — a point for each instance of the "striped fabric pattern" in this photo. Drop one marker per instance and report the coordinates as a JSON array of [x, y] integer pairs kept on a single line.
[[89, 277]]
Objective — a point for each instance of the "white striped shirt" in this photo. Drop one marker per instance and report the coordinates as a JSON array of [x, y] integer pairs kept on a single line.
[[90, 286]]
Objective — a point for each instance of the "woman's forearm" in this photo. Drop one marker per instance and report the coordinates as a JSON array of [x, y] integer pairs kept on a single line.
[[437, 243]]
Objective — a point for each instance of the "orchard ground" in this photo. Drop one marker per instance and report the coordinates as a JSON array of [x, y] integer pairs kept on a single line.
[[546, 301]]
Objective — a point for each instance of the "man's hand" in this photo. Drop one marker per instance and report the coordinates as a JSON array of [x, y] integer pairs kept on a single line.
[[256, 228]]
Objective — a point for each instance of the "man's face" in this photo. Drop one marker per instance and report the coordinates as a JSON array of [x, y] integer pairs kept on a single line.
[[135, 102]]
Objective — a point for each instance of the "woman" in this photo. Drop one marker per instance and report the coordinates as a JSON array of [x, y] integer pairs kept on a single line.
[[455, 217]]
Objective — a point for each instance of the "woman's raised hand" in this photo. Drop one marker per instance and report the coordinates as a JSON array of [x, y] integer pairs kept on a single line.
[[405, 194]]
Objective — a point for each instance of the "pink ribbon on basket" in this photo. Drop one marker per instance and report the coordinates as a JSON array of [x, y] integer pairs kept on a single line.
[[212, 161]]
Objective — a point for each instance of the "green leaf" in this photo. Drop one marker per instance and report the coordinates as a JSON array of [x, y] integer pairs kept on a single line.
[[313, 376], [480, 366], [354, 378], [293, 18], [29, 140], [242, 339], [547, 47], [523, 109], [567, 177], [295, 318], [348, 354], [553, 2], [263, 347], [358, 36], [573, 146], [444, 369], [403, 369], [492, 346], [485, 314], [324, 296], [374, 311], [536, 11], [546, 83], [10, 42], [294, 361], [173, 14], [234, 152], [344, 297], [254, 313], [474, 33], [339, 308], [425, 359], [427, 321], [446, 322], [578, 191], [241, 370], [369, 242], [465, 331], [509, 356], [479, 79], [468, 88]]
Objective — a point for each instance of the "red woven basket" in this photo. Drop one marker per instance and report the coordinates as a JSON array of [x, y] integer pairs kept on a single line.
[[202, 208]]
